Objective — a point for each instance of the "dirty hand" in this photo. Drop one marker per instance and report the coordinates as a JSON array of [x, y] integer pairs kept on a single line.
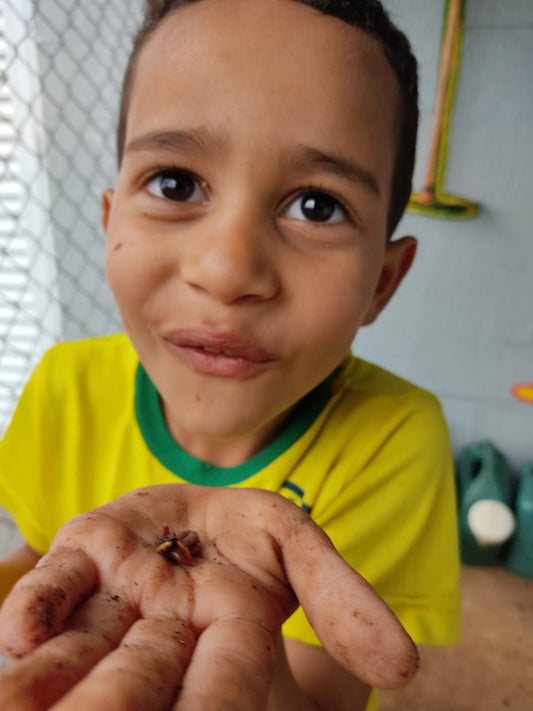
[[153, 632]]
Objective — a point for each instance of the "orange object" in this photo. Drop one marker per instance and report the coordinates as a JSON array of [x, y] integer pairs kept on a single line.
[[523, 392]]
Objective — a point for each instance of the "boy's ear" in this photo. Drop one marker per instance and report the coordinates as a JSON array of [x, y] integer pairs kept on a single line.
[[399, 256], [107, 201]]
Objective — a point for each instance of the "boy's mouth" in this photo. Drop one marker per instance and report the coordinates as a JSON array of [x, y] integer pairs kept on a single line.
[[219, 353]]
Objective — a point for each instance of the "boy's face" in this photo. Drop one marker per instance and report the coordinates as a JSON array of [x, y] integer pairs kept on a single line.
[[246, 237]]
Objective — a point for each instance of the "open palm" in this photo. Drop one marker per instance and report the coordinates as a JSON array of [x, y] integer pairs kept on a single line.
[[158, 635]]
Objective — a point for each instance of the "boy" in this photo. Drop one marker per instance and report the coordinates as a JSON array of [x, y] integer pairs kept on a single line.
[[266, 150]]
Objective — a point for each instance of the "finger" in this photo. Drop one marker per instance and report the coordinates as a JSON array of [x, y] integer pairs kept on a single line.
[[353, 623], [231, 668], [41, 601], [44, 675], [143, 673]]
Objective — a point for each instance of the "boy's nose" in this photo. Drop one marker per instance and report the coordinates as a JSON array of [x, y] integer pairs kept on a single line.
[[233, 259]]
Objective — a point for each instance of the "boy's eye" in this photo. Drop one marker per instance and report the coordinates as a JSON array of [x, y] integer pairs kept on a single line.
[[177, 185], [316, 206]]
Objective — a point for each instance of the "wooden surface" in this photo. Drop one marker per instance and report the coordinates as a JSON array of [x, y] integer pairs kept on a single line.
[[492, 667]]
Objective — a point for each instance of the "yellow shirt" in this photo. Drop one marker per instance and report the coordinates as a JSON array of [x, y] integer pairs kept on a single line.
[[366, 454]]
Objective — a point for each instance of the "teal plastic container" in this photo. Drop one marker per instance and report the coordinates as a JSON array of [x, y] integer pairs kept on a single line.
[[482, 474], [520, 555]]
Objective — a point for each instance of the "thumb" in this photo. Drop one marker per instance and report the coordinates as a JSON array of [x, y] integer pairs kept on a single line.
[[352, 622]]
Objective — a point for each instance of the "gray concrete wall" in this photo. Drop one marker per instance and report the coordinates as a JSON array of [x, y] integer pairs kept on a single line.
[[462, 325]]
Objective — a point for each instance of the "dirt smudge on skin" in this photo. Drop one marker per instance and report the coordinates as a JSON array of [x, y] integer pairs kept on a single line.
[[180, 639], [363, 618], [12, 654], [43, 612], [343, 654]]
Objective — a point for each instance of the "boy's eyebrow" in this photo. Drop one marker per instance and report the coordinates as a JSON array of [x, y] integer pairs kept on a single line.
[[202, 140], [176, 140], [340, 166]]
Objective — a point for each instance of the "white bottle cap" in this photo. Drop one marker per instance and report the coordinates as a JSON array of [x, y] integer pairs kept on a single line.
[[491, 522]]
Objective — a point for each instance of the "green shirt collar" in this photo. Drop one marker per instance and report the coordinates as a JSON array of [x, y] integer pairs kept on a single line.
[[164, 447]]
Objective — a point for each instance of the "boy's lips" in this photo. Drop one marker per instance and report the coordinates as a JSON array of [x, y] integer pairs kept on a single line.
[[220, 352]]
